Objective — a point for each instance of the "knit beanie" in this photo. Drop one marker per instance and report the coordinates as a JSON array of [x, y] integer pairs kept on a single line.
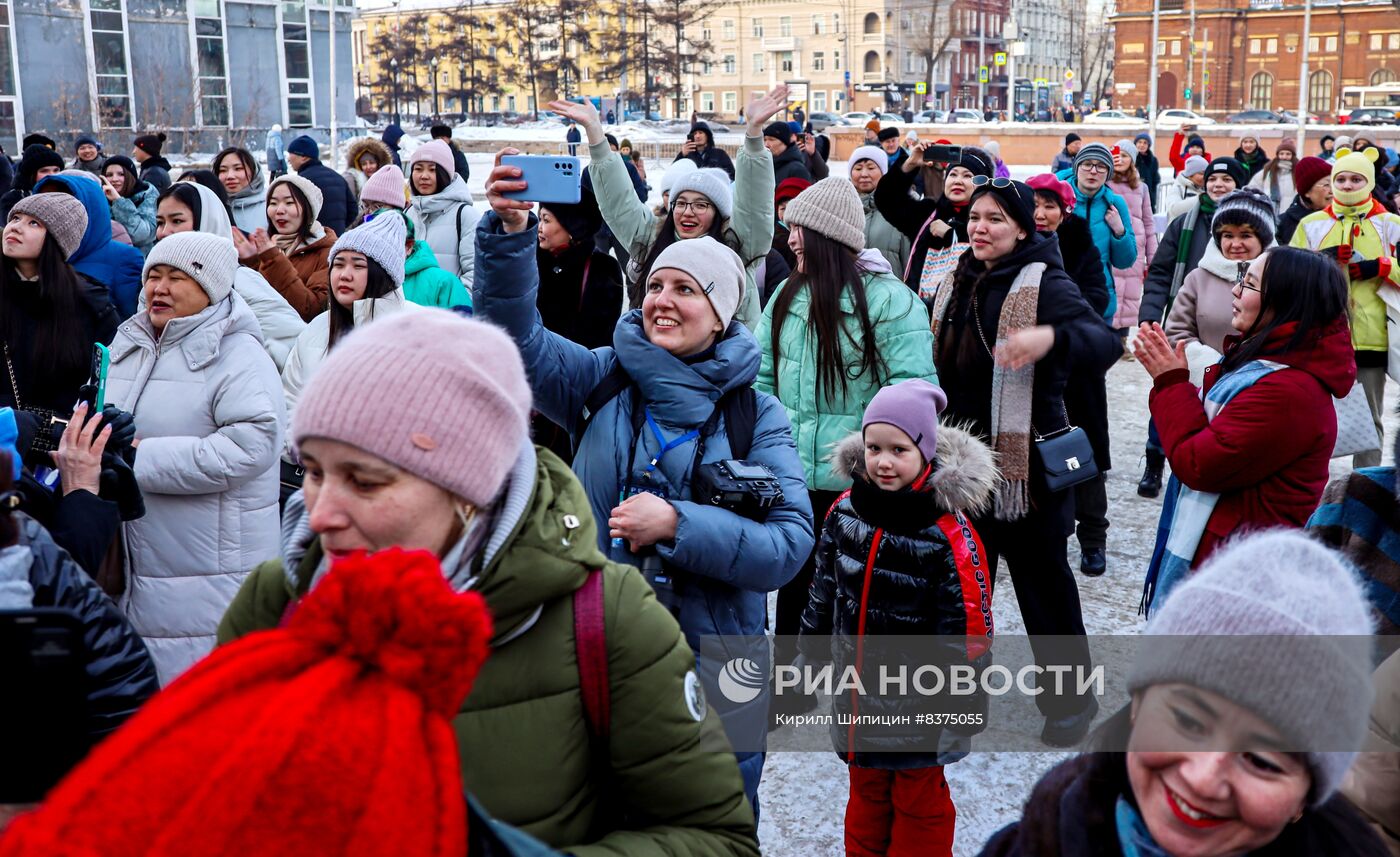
[[331, 734], [35, 158], [438, 395], [795, 127], [788, 189], [1248, 206], [832, 208], [713, 183], [976, 161], [873, 125], [1093, 152], [150, 143], [1194, 166], [1287, 144], [1362, 163], [718, 270], [39, 140], [779, 131], [1056, 186], [437, 152], [62, 215], [1196, 140], [890, 133], [581, 219], [1124, 146], [307, 188], [381, 239], [1343, 141], [1309, 171], [626, 144], [386, 186], [872, 153], [912, 407], [304, 146], [683, 167], [1017, 199], [209, 260], [1226, 629], [993, 148], [86, 140], [1231, 167], [1143, 136], [1071, 137]]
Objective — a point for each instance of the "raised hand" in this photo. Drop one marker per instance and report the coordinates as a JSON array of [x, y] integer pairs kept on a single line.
[[1155, 353], [514, 213], [584, 114], [764, 107]]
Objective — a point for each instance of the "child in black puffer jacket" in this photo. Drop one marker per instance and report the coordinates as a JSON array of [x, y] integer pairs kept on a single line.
[[899, 556]]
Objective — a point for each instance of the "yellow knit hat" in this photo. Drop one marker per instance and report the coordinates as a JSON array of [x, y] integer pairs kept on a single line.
[[1362, 163]]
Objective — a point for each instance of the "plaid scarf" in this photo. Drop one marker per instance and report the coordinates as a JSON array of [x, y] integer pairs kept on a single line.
[[1011, 388]]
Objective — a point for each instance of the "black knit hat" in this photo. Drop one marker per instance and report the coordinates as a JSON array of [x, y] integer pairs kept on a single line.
[[978, 162], [581, 219], [35, 158], [779, 131], [890, 133], [1231, 167], [1248, 206], [1016, 198], [1071, 137], [151, 143], [38, 140]]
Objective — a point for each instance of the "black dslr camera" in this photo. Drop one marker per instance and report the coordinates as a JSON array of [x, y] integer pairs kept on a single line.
[[743, 487]]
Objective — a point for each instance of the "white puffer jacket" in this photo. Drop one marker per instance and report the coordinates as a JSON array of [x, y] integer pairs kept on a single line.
[[209, 417], [310, 349], [447, 221], [279, 323]]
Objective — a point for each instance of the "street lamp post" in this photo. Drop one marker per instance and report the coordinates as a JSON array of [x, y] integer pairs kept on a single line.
[[394, 76], [433, 65]]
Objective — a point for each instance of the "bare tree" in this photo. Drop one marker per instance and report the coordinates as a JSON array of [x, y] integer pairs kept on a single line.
[[571, 25], [629, 46], [939, 33], [680, 21], [522, 36], [472, 34], [400, 50]]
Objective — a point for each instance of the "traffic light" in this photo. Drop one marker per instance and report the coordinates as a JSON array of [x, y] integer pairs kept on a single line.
[[1187, 93]]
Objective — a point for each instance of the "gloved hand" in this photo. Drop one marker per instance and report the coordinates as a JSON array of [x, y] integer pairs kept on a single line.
[[123, 425], [1366, 269], [118, 485], [1342, 253]]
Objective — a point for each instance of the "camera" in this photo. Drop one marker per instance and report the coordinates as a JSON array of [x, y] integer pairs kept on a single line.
[[663, 582], [745, 488]]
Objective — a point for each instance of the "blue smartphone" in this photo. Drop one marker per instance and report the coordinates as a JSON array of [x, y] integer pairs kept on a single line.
[[548, 178]]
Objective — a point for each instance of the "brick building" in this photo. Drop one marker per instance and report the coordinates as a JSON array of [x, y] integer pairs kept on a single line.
[[1247, 53]]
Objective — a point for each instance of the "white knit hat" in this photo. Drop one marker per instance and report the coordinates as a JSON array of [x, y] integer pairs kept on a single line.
[[713, 183], [833, 208], [872, 153], [309, 190], [381, 239], [718, 270], [210, 260], [683, 167]]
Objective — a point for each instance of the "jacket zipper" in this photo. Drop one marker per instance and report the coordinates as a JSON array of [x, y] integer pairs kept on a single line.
[[860, 640]]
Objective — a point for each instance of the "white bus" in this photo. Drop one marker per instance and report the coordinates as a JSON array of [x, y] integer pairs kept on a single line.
[[1381, 95]]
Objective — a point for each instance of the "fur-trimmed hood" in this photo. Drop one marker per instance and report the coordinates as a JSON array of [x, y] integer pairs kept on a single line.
[[362, 145], [964, 477]]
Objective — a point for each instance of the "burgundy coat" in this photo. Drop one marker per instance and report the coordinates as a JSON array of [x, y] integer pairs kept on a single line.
[[1266, 452]]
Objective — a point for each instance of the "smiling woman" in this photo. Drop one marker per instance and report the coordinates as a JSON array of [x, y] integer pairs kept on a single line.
[[1215, 755]]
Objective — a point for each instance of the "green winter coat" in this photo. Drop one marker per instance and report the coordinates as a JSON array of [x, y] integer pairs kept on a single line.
[[748, 232], [522, 734], [425, 282], [881, 235], [819, 422]]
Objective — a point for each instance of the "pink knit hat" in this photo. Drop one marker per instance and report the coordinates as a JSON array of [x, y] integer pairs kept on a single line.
[[438, 395], [386, 186], [438, 152]]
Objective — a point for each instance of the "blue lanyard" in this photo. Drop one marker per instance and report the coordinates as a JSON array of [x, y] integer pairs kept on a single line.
[[666, 446]]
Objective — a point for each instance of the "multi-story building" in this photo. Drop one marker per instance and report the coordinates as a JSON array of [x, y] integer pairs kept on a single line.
[[207, 72], [1238, 54]]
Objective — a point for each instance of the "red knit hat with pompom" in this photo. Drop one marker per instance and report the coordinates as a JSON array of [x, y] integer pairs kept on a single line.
[[329, 736]]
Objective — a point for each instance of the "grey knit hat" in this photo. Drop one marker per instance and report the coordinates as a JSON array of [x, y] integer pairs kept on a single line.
[[1194, 166], [1280, 625], [713, 183], [1093, 152], [833, 208], [381, 239], [210, 259], [1248, 206], [717, 269], [308, 190], [61, 214]]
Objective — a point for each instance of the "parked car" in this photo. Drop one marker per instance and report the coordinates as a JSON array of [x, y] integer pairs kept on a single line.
[[1374, 116], [965, 114], [822, 120], [1114, 117], [928, 117], [1177, 117], [1291, 117], [856, 117], [1257, 117]]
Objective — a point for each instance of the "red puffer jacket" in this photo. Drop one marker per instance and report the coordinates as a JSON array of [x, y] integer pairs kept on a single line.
[[1266, 451]]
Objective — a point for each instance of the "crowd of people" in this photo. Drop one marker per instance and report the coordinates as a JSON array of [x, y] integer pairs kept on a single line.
[[564, 450]]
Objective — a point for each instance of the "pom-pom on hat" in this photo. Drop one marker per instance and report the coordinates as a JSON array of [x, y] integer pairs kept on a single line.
[[331, 735]]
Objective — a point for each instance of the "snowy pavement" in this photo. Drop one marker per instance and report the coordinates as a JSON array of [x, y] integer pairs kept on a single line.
[[803, 795]]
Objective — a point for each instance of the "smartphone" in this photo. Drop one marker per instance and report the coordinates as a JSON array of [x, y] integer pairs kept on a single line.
[[94, 392], [548, 178], [941, 154]]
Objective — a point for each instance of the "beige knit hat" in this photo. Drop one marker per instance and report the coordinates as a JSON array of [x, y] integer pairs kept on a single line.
[[831, 207], [209, 259], [308, 190], [61, 214]]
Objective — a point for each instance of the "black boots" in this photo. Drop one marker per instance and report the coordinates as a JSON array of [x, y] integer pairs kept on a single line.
[[1093, 562], [1151, 483], [1069, 731]]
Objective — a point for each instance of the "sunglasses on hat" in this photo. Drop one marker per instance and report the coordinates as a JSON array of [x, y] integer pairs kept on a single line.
[[998, 182]]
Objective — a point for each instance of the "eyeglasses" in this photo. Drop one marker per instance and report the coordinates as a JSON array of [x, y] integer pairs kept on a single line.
[[998, 182], [698, 206], [1094, 167]]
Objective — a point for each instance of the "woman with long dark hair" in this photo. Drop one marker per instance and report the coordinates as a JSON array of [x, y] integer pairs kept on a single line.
[[842, 327], [366, 281], [737, 212], [246, 185], [295, 256], [1010, 327], [50, 315], [1250, 448]]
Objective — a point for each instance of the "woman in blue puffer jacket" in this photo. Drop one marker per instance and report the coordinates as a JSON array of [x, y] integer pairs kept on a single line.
[[678, 358], [111, 263]]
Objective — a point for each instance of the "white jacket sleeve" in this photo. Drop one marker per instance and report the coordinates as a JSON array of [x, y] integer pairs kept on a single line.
[[466, 249], [280, 324]]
